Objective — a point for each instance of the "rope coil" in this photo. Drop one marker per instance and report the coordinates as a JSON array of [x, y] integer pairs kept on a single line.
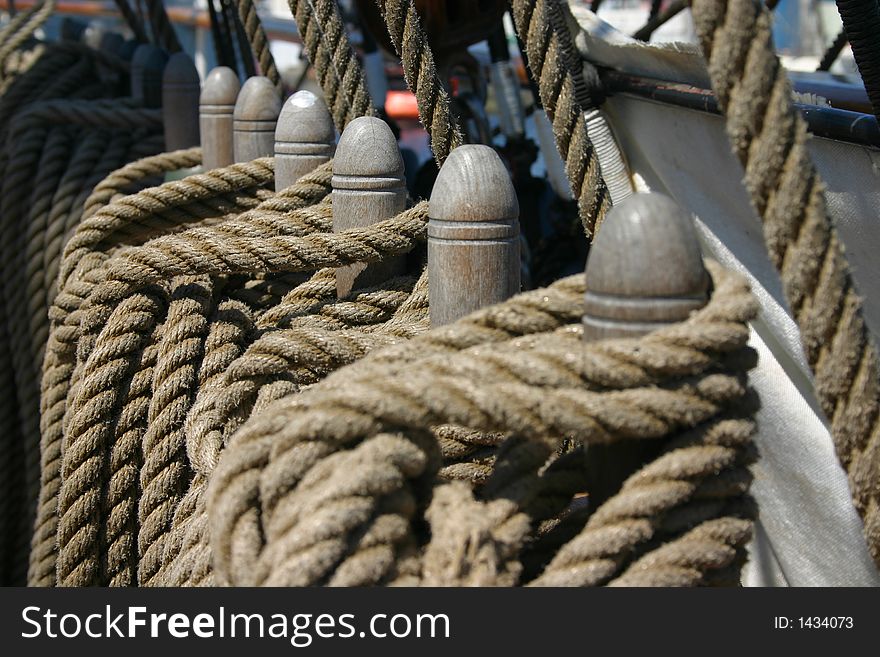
[[212, 413]]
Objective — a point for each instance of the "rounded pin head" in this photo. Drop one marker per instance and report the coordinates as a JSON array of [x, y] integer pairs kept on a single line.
[[147, 65], [473, 185], [257, 101], [149, 57], [645, 268], [221, 87], [305, 119], [180, 102], [180, 70], [367, 147]]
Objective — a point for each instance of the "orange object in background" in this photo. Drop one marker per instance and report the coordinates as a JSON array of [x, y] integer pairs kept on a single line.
[[401, 105]]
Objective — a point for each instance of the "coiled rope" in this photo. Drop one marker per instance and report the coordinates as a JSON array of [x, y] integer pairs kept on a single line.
[[278, 464], [211, 412], [175, 352], [60, 134]]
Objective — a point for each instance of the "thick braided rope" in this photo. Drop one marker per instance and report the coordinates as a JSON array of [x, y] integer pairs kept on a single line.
[[277, 363], [243, 237], [304, 299], [163, 31], [361, 501], [56, 153], [123, 490], [770, 140], [71, 81], [102, 114], [32, 320], [196, 252], [86, 451], [118, 150], [24, 290], [51, 62], [354, 312], [272, 222], [474, 543], [275, 451], [285, 541], [133, 173], [165, 473], [300, 356], [44, 245], [411, 43], [256, 36], [526, 485], [60, 145], [690, 483], [556, 88], [186, 560], [49, 70], [13, 41], [709, 548], [213, 252], [59, 367], [339, 72], [154, 210]]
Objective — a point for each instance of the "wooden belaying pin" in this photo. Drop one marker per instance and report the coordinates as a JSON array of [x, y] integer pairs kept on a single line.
[[645, 269], [180, 102], [147, 65], [368, 186], [216, 106], [644, 272], [473, 235], [304, 138], [254, 119]]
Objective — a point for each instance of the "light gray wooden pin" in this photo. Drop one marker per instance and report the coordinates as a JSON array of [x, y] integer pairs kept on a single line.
[[473, 235], [180, 102], [254, 119], [368, 186], [644, 272], [216, 105], [147, 65], [304, 138]]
